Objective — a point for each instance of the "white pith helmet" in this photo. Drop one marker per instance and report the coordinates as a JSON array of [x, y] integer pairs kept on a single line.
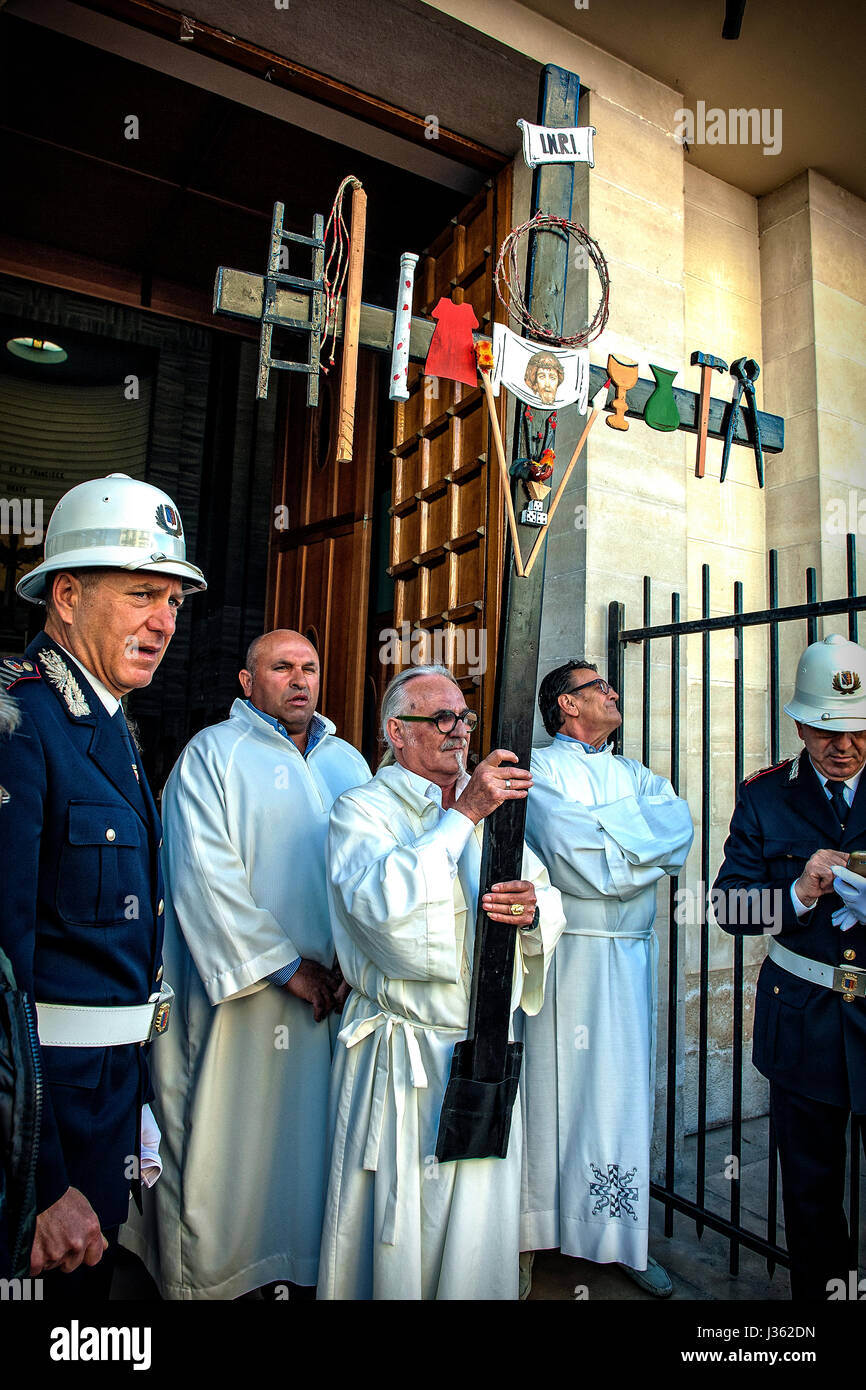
[[115, 522], [830, 689]]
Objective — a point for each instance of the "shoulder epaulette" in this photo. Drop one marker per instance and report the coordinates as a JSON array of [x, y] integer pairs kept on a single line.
[[764, 770], [14, 669]]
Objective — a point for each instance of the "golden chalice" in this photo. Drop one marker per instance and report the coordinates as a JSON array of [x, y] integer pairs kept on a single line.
[[623, 374]]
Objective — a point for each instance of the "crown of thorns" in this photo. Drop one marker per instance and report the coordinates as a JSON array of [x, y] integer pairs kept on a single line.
[[507, 280]]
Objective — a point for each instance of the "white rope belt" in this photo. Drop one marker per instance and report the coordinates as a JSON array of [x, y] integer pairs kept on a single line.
[[85, 1025], [645, 935], [842, 978], [391, 1066]]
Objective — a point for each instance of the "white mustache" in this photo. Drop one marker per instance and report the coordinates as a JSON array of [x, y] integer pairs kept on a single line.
[[453, 743]]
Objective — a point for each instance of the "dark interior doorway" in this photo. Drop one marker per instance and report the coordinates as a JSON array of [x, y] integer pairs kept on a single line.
[[114, 235], [119, 163]]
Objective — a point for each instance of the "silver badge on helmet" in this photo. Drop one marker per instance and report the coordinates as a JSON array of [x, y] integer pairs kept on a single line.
[[168, 519]]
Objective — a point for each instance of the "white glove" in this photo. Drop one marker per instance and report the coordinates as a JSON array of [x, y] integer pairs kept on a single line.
[[852, 890], [151, 1163]]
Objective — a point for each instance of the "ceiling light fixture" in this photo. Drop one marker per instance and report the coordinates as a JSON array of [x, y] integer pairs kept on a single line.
[[37, 350]]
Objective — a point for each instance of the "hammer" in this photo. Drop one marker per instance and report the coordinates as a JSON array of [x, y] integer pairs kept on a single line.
[[707, 365]]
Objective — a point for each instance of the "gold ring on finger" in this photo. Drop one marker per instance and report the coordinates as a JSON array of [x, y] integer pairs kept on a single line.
[[517, 909]]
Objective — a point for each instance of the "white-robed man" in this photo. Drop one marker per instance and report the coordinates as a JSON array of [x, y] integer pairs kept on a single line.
[[242, 1089], [607, 830], [404, 858]]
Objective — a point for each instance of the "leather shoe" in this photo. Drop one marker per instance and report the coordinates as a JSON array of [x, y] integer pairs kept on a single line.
[[653, 1279]]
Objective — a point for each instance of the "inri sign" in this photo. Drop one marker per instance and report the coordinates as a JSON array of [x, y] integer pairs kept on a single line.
[[544, 144]]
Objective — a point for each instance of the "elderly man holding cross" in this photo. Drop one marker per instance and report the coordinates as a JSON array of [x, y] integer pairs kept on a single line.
[[404, 857]]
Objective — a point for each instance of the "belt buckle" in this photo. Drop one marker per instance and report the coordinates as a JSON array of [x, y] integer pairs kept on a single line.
[[159, 1022], [848, 981]]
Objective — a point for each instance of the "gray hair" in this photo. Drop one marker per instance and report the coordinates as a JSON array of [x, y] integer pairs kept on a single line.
[[88, 578], [397, 700]]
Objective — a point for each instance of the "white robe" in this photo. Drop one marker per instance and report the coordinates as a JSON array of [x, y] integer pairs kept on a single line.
[[399, 1225], [241, 1076], [607, 829]]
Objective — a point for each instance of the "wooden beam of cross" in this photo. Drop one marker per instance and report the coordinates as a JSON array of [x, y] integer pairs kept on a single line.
[[240, 294], [772, 427]]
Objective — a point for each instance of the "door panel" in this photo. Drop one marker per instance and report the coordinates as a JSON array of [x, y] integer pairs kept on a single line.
[[320, 553], [447, 514]]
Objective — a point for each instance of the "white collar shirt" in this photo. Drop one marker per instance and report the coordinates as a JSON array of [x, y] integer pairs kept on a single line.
[[110, 702]]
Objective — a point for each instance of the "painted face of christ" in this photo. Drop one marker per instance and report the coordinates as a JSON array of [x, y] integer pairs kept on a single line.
[[544, 376]]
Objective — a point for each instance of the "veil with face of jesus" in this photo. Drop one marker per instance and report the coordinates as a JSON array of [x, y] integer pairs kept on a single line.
[[541, 376]]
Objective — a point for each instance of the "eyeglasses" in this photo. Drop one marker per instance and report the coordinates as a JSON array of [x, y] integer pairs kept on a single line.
[[602, 685], [446, 720]]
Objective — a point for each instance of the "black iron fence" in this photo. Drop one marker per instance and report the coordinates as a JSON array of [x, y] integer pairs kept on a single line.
[[699, 1207]]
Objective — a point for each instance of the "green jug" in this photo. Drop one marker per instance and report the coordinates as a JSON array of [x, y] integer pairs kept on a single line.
[[661, 411]]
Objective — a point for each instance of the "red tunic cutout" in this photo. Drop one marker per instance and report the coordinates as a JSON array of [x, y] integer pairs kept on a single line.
[[452, 353]]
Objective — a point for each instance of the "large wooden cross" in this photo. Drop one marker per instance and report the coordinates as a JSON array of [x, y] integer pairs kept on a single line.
[[485, 1069]]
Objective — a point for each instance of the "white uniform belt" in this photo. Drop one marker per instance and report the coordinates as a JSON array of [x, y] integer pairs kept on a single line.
[[844, 979], [83, 1025]]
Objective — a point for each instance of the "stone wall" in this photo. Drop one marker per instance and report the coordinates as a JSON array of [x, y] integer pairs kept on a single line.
[[813, 267]]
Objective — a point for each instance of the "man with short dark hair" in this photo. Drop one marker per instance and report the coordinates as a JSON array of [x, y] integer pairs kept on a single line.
[[793, 833], [242, 1085], [404, 855], [82, 917], [608, 830]]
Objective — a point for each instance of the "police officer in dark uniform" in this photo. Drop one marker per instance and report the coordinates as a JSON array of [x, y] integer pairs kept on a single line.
[[82, 917], [792, 832]]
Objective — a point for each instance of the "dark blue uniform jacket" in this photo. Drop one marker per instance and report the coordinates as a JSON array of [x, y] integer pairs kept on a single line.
[[807, 1037], [81, 918]]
